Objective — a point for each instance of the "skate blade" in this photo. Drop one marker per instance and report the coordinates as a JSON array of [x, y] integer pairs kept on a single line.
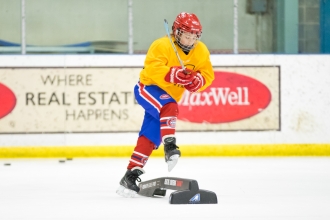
[[127, 193], [172, 162]]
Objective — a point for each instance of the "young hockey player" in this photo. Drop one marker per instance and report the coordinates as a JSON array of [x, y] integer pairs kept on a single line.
[[162, 84]]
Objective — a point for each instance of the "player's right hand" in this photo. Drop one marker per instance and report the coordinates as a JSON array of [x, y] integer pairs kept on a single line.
[[180, 76]]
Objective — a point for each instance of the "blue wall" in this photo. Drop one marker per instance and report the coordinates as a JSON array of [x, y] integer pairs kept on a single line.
[[325, 25]]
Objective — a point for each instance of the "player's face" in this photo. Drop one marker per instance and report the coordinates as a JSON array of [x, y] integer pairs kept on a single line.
[[188, 39]]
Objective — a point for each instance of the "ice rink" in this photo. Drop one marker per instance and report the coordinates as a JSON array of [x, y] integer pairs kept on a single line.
[[269, 188]]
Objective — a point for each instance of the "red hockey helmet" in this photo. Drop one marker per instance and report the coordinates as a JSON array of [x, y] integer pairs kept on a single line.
[[187, 22]]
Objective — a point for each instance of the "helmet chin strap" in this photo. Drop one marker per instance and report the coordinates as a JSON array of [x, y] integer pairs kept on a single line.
[[185, 48]]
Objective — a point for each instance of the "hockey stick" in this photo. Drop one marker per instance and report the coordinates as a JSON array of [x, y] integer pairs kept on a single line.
[[169, 37]]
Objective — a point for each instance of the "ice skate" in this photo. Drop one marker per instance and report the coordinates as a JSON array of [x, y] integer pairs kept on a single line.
[[172, 153], [128, 187]]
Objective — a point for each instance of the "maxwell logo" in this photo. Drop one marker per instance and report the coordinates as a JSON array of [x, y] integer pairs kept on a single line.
[[7, 100], [231, 97]]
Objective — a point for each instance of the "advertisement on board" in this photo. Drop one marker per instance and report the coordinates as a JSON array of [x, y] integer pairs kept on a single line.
[[92, 100]]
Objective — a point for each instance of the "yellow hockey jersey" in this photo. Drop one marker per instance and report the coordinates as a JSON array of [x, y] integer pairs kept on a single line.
[[161, 57]]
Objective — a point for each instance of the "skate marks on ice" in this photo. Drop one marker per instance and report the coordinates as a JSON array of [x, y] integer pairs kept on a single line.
[[247, 188]]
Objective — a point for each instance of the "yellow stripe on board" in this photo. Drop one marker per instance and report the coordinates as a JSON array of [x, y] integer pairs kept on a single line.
[[188, 151]]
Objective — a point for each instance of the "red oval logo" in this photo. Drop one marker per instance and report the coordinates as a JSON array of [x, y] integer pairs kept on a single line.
[[231, 97], [7, 100], [165, 96]]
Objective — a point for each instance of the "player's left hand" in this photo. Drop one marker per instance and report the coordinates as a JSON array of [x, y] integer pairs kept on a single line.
[[196, 83]]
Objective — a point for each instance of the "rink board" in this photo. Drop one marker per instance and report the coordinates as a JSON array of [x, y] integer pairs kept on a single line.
[[296, 122]]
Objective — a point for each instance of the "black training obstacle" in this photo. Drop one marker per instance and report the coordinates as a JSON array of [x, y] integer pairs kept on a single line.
[[187, 192]]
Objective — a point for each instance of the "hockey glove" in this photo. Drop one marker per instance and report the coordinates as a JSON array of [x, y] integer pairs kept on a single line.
[[180, 76], [197, 82]]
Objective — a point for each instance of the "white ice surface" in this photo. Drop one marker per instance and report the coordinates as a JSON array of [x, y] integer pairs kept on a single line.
[[280, 188]]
